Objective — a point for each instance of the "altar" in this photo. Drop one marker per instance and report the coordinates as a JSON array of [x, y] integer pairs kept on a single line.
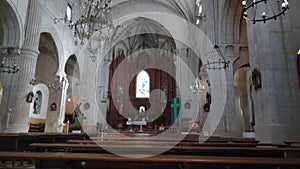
[[138, 123], [139, 120]]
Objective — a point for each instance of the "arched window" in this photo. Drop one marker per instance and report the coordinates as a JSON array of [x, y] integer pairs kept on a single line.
[[1, 92], [69, 13], [143, 85], [37, 102]]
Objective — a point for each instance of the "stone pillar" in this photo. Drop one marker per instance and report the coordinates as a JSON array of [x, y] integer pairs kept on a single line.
[[18, 120], [231, 121], [228, 125], [9, 81], [62, 111], [56, 93], [276, 104]]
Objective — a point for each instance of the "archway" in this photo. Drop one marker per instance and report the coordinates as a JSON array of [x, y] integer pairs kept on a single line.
[[234, 36], [73, 102], [143, 47], [242, 96], [73, 115], [72, 71], [45, 74]]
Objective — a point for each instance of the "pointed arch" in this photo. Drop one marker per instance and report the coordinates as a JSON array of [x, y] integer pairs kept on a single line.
[[72, 67]]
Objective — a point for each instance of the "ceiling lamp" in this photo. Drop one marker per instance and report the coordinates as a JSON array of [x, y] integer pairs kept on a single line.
[[263, 10], [8, 68], [96, 16], [8, 64], [216, 60]]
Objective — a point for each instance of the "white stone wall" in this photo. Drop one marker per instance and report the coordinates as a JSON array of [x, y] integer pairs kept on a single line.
[[272, 51]]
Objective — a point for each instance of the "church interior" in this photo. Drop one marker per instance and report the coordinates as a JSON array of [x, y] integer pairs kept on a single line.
[[150, 84]]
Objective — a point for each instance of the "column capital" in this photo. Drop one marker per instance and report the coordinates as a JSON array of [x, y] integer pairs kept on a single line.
[[30, 51]]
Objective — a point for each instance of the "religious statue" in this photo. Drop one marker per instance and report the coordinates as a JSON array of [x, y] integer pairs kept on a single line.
[[36, 106]]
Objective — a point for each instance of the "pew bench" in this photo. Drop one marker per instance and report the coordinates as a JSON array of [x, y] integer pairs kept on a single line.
[[83, 160], [176, 150], [182, 143], [39, 127], [292, 143]]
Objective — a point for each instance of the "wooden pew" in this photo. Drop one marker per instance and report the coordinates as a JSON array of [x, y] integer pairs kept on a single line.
[[292, 143], [213, 144], [170, 138], [179, 149], [39, 127], [83, 160], [21, 141]]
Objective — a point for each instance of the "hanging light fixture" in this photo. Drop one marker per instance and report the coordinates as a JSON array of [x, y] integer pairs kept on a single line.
[[215, 58], [264, 10], [96, 16], [8, 64], [6, 67]]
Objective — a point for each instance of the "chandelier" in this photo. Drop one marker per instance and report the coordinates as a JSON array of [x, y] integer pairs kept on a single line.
[[216, 60], [8, 66], [263, 10], [96, 16]]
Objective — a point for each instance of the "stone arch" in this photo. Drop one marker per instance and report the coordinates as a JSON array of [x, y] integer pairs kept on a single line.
[[58, 43], [48, 60], [189, 34], [242, 87], [229, 50], [72, 67], [230, 22], [138, 29], [72, 70], [243, 58], [232, 34], [234, 31], [174, 7], [10, 26], [74, 112]]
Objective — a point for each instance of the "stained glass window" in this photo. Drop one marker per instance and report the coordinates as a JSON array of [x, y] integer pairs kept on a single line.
[[143, 85]]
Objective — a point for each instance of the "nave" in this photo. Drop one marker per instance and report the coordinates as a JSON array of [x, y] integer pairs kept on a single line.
[[149, 84]]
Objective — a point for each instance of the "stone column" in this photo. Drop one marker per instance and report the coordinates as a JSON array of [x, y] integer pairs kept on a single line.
[[276, 104], [8, 57], [62, 111], [18, 121], [56, 93], [228, 125]]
